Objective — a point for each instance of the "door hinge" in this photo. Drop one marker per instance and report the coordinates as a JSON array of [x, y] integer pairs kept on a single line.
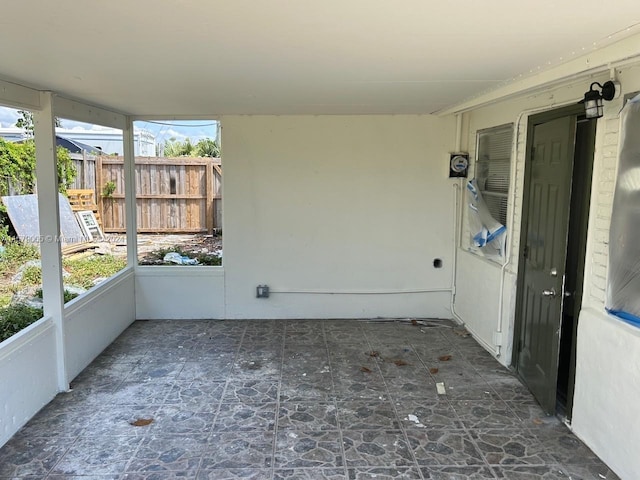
[[525, 252]]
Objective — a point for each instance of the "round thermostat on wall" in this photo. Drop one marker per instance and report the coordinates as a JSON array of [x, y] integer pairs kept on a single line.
[[458, 165]]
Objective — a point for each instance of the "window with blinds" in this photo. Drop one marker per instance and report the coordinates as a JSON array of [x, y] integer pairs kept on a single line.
[[493, 168]]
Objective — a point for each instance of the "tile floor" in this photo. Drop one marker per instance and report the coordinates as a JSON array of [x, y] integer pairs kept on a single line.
[[295, 400]]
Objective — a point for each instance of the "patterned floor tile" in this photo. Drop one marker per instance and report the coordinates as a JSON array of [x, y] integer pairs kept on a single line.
[[234, 474], [361, 385], [111, 420], [564, 446], [98, 456], [296, 399], [263, 389], [246, 417], [485, 414], [318, 387], [32, 456], [383, 473], [199, 395], [443, 447], [308, 416], [531, 472], [238, 450], [511, 447], [309, 474], [411, 388], [173, 419], [152, 371], [475, 472], [376, 448], [169, 454], [139, 393], [432, 414], [367, 415], [81, 477], [297, 449], [217, 369]]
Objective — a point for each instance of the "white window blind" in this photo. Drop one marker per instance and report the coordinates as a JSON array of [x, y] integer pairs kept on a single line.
[[493, 168]]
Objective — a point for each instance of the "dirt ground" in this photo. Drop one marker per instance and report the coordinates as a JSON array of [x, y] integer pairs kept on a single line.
[[147, 243]]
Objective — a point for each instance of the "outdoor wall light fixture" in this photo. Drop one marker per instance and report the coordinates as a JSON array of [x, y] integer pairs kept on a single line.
[[593, 98]]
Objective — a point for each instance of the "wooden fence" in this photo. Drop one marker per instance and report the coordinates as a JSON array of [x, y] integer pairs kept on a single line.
[[173, 195]]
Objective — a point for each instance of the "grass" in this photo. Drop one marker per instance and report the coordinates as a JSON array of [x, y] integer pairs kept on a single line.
[[83, 272], [14, 318], [16, 254]]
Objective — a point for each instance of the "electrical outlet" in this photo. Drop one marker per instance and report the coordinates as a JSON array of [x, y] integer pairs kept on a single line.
[[262, 291]]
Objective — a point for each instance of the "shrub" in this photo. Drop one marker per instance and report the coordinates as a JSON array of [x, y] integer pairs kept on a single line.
[[16, 317]]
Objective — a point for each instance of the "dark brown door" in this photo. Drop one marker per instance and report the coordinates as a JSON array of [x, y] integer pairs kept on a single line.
[[543, 254]]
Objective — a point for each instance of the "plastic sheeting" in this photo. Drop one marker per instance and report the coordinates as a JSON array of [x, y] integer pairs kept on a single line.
[[623, 289], [486, 232]]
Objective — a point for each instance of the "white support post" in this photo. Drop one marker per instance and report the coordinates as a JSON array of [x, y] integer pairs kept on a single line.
[[130, 193], [49, 220]]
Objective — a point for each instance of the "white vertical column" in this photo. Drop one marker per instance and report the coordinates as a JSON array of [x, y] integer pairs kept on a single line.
[[130, 193], [49, 221]]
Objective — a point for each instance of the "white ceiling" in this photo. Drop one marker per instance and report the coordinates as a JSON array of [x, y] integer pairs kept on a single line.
[[213, 57]]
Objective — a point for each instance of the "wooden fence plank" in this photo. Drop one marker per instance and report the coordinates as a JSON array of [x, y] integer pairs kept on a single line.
[[172, 194]]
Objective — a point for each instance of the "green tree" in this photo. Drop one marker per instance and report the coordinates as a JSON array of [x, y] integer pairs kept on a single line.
[[176, 148], [18, 167], [207, 147], [25, 122]]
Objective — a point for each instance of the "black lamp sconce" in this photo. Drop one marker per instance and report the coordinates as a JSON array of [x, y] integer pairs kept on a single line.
[[594, 97]]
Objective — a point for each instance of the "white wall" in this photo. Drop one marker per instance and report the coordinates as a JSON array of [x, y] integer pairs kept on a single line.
[[607, 384], [179, 293], [95, 320], [606, 404], [350, 209], [28, 375]]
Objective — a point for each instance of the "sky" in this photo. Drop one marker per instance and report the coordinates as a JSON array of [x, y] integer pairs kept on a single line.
[[163, 130]]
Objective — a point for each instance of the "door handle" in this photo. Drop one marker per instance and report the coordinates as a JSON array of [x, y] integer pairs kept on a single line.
[[549, 293]]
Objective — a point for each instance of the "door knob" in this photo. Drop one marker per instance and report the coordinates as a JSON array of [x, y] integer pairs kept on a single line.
[[549, 293]]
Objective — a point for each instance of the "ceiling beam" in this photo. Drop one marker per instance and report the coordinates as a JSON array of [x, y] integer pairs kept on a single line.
[[82, 112], [603, 59], [17, 96]]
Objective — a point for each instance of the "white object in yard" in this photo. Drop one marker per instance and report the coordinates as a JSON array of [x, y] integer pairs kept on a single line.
[[440, 388], [175, 257], [89, 225]]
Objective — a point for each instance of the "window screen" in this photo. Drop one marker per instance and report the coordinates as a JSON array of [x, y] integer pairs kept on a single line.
[[493, 167]]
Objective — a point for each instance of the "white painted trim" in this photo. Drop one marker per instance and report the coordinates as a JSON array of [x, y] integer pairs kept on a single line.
[[597, 61], [130, 192], [98, 291], [146, 118], [49, 221], [19, 96], [24, 336], [178, 271], [82, 112]]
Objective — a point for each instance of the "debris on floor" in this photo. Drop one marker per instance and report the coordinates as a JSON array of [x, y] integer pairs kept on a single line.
[[444, 358], [365, 369], [373, 353], [414, 419], [461, 332], [141, 422], [400, 363], [441, 389], [433, 370]]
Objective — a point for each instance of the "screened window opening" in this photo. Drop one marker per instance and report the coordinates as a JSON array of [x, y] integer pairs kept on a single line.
[[493, 168]]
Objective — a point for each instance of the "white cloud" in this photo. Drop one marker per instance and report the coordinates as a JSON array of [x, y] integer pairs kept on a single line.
[[8, 117]]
